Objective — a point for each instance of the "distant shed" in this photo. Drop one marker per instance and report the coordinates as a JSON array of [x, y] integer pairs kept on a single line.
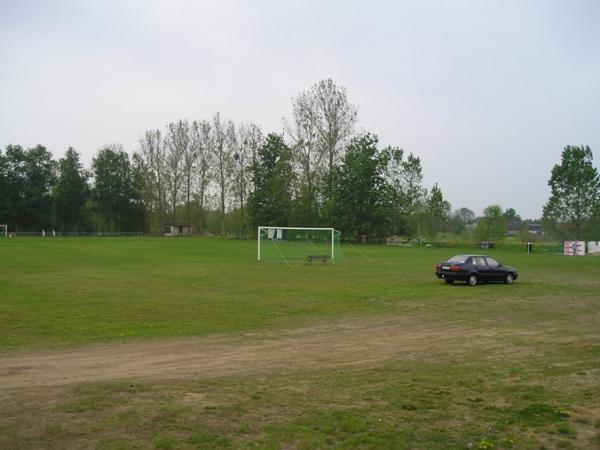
[[177, 230]]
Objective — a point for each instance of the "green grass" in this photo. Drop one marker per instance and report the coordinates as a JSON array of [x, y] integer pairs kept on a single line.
[[532, 382], [58, 292]]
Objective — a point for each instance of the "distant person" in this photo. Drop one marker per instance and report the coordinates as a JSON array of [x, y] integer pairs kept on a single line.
[[53, 233], [43, 233]]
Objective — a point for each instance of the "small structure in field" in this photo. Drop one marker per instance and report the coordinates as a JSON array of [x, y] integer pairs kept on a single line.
[[535, 229], [594, 248], [574, 248], [401, 240], [176, 230]]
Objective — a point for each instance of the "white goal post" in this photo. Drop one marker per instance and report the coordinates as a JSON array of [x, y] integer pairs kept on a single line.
[[277, 233], [5, 232]]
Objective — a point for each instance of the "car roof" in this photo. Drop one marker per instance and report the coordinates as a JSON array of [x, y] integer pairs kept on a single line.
[[470, 256]]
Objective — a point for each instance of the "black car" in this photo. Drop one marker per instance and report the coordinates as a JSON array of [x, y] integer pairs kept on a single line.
[[474, 269]]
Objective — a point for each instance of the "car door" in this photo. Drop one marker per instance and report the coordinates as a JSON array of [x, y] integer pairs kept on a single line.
[[495, 269], [483, 271]]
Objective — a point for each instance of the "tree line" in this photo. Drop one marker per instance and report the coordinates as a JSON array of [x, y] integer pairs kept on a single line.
[[222, 177], [40, 193]]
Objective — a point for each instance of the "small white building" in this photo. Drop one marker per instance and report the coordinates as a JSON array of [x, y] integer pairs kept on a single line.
[[594, 248], [275, 233], [177, 230]]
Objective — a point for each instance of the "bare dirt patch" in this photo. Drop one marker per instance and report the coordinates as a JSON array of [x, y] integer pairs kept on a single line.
[[342, 343]]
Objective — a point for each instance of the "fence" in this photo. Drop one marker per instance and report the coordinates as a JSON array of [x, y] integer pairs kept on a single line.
[[76, 234]]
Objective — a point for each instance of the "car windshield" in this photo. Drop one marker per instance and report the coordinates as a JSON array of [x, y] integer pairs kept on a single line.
[[458, 259]]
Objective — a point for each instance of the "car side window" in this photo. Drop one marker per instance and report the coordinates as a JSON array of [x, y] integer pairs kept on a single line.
[[492, 262], [479, 262]]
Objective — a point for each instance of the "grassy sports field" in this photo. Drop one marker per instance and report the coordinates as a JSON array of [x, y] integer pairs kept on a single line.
[[191, 343]]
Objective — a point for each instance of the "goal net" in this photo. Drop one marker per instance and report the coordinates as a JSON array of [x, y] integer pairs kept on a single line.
[[297, 243], [3, 230]]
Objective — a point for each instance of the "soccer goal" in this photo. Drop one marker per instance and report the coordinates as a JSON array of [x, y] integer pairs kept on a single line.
[[298, 243], [4, 230]]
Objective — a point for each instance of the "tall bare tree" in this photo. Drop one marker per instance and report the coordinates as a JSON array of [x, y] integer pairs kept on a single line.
[[323, 123], [309, 155], [254, 139], [244, 141], [337, 119], [178, 141], [223, 157], [190, 160], [154, 157], [201, 142]]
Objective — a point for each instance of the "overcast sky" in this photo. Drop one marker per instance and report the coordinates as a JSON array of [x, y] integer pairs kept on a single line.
[[487, 93]]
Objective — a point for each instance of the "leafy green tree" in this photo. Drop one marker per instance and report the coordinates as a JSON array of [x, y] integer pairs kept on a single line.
[[270, 203], [27, 177], [118, 191], [405, 177], [41, 176], [492, 226], [71, 192], [395, 175], [466, 215], [437, 213], [363, 197], [593, 232], [575, 194], [460, 219], [456, 225], [513, 220], [6, 187]]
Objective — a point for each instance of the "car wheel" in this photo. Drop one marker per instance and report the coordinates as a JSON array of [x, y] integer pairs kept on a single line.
[[472, 281], [509, 278], [449, 281]]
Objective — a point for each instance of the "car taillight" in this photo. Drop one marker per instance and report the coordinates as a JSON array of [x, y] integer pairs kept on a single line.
[[454, 268]]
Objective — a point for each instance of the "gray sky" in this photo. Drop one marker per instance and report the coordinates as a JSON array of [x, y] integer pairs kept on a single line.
[[486, 92]]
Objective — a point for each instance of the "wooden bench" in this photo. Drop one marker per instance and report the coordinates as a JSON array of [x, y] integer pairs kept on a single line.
[[323, 258]]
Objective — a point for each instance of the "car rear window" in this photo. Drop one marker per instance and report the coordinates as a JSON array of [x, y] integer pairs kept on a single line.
[[459, 259]]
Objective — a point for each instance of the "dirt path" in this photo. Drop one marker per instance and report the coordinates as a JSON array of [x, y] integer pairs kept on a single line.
[[345, 343]]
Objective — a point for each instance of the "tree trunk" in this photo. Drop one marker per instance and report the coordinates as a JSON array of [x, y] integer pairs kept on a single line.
[[330, 171], [222, 205], [187, 203], [241, 230], [174, 206], [202, 210]]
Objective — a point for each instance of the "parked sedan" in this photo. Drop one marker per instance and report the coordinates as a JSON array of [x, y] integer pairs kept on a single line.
[[474, 269]]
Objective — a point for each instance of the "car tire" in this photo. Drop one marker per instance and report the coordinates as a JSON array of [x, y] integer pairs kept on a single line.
[[509, 278], [472, 280], [449, 281]]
